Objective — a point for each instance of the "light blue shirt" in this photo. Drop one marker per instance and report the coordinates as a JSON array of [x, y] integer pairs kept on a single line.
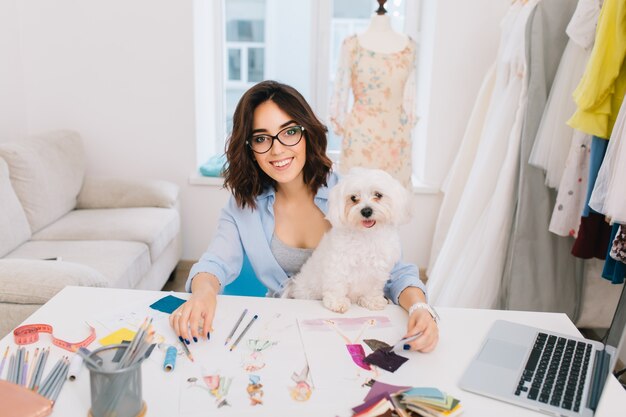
[[240, 230]]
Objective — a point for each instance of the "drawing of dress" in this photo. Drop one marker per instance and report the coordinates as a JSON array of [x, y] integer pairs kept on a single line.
[[376, 133], [357, 353]]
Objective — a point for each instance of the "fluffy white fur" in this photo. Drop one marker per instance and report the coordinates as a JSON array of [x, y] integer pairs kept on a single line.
[[354, 259]]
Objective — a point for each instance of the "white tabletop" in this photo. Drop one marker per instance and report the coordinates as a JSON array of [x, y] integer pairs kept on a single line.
[[461, 332]]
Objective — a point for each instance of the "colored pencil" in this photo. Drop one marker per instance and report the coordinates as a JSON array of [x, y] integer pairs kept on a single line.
[[245, 330], [232, 332], [54, 394], [187, 351], [48, 380], [4, 359], [24, 370], [11, 370], [40, 369]]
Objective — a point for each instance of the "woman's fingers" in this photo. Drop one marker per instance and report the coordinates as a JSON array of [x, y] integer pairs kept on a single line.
[[422, 322], [193, 320]]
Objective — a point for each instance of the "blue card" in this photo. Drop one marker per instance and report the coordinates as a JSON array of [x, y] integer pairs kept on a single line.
[[167, 304]]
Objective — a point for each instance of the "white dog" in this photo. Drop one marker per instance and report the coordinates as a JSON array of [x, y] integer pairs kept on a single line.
[[354, 259]]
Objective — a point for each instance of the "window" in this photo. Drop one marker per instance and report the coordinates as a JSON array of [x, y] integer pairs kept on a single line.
[[294, 42], [244, 50]]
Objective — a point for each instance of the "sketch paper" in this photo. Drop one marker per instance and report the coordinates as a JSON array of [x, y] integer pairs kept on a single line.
[[330, 347]]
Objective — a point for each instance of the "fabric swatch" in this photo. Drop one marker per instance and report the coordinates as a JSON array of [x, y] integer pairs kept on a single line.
[[167, 304], [376, 344], [389, 361], [380, 388]]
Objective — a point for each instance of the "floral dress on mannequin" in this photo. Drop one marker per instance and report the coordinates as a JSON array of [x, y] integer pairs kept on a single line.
[[377, 131]]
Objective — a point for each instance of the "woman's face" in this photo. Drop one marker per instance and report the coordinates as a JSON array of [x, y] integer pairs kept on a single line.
[[284, 164]]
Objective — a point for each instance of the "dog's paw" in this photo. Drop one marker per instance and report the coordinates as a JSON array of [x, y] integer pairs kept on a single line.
[[372, 302], [337, 304]]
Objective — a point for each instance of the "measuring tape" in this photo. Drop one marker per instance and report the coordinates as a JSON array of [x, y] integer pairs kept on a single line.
[[29, 333]]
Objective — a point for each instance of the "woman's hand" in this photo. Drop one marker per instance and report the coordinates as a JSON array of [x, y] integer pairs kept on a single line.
[[193, 320], [422, 322]]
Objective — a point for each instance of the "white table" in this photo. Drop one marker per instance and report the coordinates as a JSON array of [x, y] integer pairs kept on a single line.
[[462, 331]]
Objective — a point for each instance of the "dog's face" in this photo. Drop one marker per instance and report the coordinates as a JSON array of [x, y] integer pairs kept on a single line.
[[367, 198]]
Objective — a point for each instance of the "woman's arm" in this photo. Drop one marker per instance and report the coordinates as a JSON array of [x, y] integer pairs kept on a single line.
[[217, 267], [413, 299]]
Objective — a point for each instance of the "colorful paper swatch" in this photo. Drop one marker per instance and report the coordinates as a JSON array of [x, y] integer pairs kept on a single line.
[[167, 304]]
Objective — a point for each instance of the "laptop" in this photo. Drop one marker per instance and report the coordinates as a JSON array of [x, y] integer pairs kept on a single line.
[[545, 371]]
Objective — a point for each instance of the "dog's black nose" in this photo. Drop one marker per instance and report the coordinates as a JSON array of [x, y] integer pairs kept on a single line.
[[366, 212]]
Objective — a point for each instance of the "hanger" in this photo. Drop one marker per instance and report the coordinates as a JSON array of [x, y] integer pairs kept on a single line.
[[381, 7]]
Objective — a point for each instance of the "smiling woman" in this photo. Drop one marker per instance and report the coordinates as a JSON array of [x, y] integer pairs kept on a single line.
[[279, 176]]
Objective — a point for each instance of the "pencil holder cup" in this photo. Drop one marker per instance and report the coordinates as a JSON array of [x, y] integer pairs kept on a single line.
[[114, 392]]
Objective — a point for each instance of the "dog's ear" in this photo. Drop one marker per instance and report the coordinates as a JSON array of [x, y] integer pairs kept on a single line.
[[402, 202], [336, 204]]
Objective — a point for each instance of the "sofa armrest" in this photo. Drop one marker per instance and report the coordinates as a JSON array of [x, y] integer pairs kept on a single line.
[[34, 281], [104, 192]]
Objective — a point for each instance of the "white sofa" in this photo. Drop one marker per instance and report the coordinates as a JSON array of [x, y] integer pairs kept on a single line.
[[103, 232]]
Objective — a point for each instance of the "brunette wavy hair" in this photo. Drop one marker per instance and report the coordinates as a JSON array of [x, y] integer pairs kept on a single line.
[[243, 177]]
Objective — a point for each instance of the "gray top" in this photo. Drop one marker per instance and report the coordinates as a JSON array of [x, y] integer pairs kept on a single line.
[[289, 258]]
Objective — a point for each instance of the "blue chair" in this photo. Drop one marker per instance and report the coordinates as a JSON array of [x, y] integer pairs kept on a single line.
[[246, 283]]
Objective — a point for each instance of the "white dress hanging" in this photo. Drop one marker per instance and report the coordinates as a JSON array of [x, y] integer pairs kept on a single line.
[[468, 270], [554, 136]]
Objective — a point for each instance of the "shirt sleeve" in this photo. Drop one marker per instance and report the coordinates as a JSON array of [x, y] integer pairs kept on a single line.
[[403, 275], [224, 257], [338, 108]]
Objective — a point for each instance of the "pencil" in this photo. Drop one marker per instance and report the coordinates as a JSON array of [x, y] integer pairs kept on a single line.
[[187, 351], [234, 345], [50, 377], [54, 394], [39, 371], [31, 369], [19, 360], [24, 370], [33, 377], [232, 332], [4, 359]]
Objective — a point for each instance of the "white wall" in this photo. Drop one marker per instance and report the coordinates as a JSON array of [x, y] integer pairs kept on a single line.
[[12, 108], [122, 73], [466, 35]]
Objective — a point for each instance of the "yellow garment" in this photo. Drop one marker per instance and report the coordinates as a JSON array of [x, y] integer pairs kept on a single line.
[[601, 90]]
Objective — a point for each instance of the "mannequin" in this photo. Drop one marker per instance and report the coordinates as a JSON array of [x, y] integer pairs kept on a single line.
[[380, 37], [378, 68]]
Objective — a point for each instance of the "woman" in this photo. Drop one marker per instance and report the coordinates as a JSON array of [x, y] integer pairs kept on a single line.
[[279, 176]]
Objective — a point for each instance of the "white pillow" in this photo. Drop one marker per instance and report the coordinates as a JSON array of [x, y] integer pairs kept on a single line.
[[47, 173]]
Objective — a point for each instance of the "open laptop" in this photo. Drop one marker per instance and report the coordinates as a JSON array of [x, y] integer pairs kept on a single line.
[[545, 371]]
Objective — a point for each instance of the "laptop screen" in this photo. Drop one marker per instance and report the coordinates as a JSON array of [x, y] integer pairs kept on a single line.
[[605, 361], [615, 335]]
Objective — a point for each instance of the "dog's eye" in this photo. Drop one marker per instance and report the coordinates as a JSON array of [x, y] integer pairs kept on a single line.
[[378, 195], [353, 198]]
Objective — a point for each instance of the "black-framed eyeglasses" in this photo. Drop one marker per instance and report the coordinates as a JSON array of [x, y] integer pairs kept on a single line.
[[289, 136]]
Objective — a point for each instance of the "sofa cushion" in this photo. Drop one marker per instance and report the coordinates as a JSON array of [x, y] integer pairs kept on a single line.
[[47, 173], [122, 264], [25, 281], [13, 223], [103, 192], [156, 227]]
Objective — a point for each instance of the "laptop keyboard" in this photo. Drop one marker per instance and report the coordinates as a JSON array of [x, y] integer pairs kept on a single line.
[[555, 371]]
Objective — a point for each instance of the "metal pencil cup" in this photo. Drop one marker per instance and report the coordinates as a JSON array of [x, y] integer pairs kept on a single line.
[[115, 392]]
